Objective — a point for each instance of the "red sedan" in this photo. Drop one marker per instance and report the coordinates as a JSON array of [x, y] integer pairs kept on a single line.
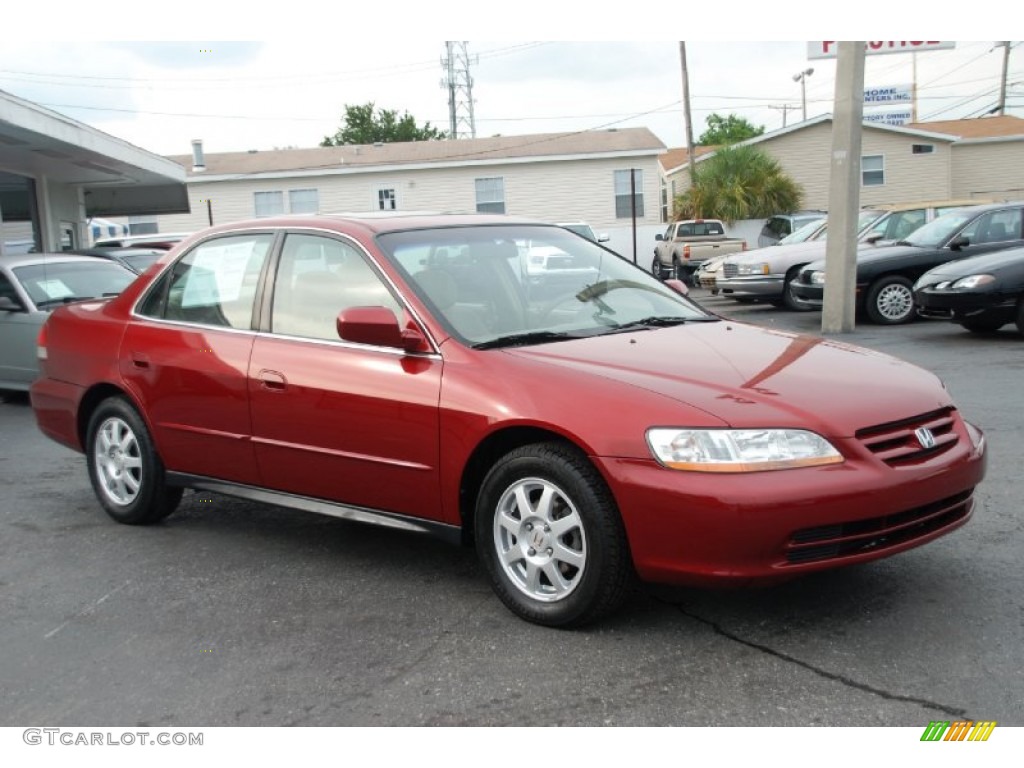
[[412, 371]]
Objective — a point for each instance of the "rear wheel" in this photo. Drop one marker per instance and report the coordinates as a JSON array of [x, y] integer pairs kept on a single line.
[[126, 473], [1020, 317], [549, 535], [890, 301]]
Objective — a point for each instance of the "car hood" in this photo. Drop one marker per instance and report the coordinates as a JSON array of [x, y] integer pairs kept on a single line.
[[775, 251], [867, 254], [985, 263], [748, 376]]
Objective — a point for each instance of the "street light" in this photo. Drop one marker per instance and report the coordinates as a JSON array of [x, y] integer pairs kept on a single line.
[[801, 77]]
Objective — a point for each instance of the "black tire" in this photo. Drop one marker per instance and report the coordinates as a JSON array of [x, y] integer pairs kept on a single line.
[[1020, 317], [890, 301], [126, 472], [656, 268], [982, 324], [552, 577]]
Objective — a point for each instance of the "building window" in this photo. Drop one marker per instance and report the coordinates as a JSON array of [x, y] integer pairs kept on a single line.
[[143, 225], [387, 200], [490, 195], [664, 202], [872, 170], [303, 201], [268, 203], [623, 207], [922, 149]]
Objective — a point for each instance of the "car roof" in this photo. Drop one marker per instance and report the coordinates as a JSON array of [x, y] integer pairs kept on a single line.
[[374, 223]]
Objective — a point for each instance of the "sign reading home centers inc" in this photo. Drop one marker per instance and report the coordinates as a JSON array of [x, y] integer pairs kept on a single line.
[[829, 49], [888, 94]]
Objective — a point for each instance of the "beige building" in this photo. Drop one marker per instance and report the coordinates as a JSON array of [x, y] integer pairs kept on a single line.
[[978, 158], [583, 176]]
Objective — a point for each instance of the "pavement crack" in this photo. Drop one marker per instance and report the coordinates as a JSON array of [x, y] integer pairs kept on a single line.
[[718, 629]]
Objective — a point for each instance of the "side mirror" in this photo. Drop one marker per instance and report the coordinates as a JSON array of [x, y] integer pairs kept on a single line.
[[659, 237], [873, 238], [678, 286], [958, 242], [604, 237], [7, 304], [378, 327]]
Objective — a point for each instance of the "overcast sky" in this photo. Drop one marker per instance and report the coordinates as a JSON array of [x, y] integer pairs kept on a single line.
[[290, 88]]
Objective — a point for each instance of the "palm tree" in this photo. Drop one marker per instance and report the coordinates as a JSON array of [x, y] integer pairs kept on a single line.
[[739, 182]]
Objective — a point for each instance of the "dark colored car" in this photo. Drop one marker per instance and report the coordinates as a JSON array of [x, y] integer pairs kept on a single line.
[[885, 276], [138, 260], [407, 371], [982, 293]]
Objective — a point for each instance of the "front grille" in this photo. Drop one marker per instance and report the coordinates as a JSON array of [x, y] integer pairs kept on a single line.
[[730, 270], [829, 542], [899, 443]]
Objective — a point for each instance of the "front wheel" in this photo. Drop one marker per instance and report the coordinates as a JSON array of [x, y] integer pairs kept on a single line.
[[656, 268], [890, 301], [126, 473], [549, 535]]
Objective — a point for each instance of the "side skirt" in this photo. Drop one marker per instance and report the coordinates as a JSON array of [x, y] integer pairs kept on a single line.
[[450, 533]]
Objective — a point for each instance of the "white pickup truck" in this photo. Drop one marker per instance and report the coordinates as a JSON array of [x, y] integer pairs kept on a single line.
[[687, 244]]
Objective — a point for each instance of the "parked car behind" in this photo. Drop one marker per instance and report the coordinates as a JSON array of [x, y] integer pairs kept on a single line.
[[687, 244], [393, 370], [980, 293], [885, 276], [782, 224], [164, 241], [31, 285], [767, 274]]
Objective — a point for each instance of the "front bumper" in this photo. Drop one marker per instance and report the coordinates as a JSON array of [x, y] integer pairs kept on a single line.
[[948, 304], [813, 295], [712, 529], [759, 286]]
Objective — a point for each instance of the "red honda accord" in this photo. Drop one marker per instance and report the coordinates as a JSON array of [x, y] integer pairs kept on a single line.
[[581, 422]]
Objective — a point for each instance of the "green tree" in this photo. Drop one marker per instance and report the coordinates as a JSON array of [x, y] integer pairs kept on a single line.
[[365, 124], [738, 183], [728, 130]]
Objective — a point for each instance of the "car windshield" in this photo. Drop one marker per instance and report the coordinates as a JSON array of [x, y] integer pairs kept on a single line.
[[60, 282], [864, 220], [803, 233], [509, 285], [938, 231]]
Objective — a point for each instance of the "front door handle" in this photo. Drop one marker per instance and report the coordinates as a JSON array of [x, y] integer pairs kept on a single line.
[[272, 380], [140, 360]]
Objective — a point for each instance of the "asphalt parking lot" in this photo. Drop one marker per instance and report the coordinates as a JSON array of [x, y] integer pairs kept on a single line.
[[232, 613]]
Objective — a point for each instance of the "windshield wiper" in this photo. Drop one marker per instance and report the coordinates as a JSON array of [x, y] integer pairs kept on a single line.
[[656, 321], [520, 339], [61, 300]]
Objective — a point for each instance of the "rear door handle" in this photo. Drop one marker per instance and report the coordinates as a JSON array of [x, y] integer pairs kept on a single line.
[[140, 360], [272, 380]]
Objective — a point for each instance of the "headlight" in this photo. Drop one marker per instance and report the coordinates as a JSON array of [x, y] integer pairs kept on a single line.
[[752, 269], [740, 450], [818, 277], [974, 281]]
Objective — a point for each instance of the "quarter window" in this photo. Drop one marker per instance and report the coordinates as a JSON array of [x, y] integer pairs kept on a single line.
[[317, 278], [213, 284], [490, 195], [623, 184], [872, 170], [268, 203]]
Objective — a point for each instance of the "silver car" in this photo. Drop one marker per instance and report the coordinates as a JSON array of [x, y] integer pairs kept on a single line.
[[31, 285]]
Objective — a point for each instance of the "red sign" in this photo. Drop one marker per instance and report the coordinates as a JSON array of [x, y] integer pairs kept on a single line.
[[828, 49]]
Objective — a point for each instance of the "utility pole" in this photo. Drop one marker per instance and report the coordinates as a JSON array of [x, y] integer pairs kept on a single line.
[[686, 112], [837, 314], [457, 79], [783, 109], [1002, 85], [913, 88]]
